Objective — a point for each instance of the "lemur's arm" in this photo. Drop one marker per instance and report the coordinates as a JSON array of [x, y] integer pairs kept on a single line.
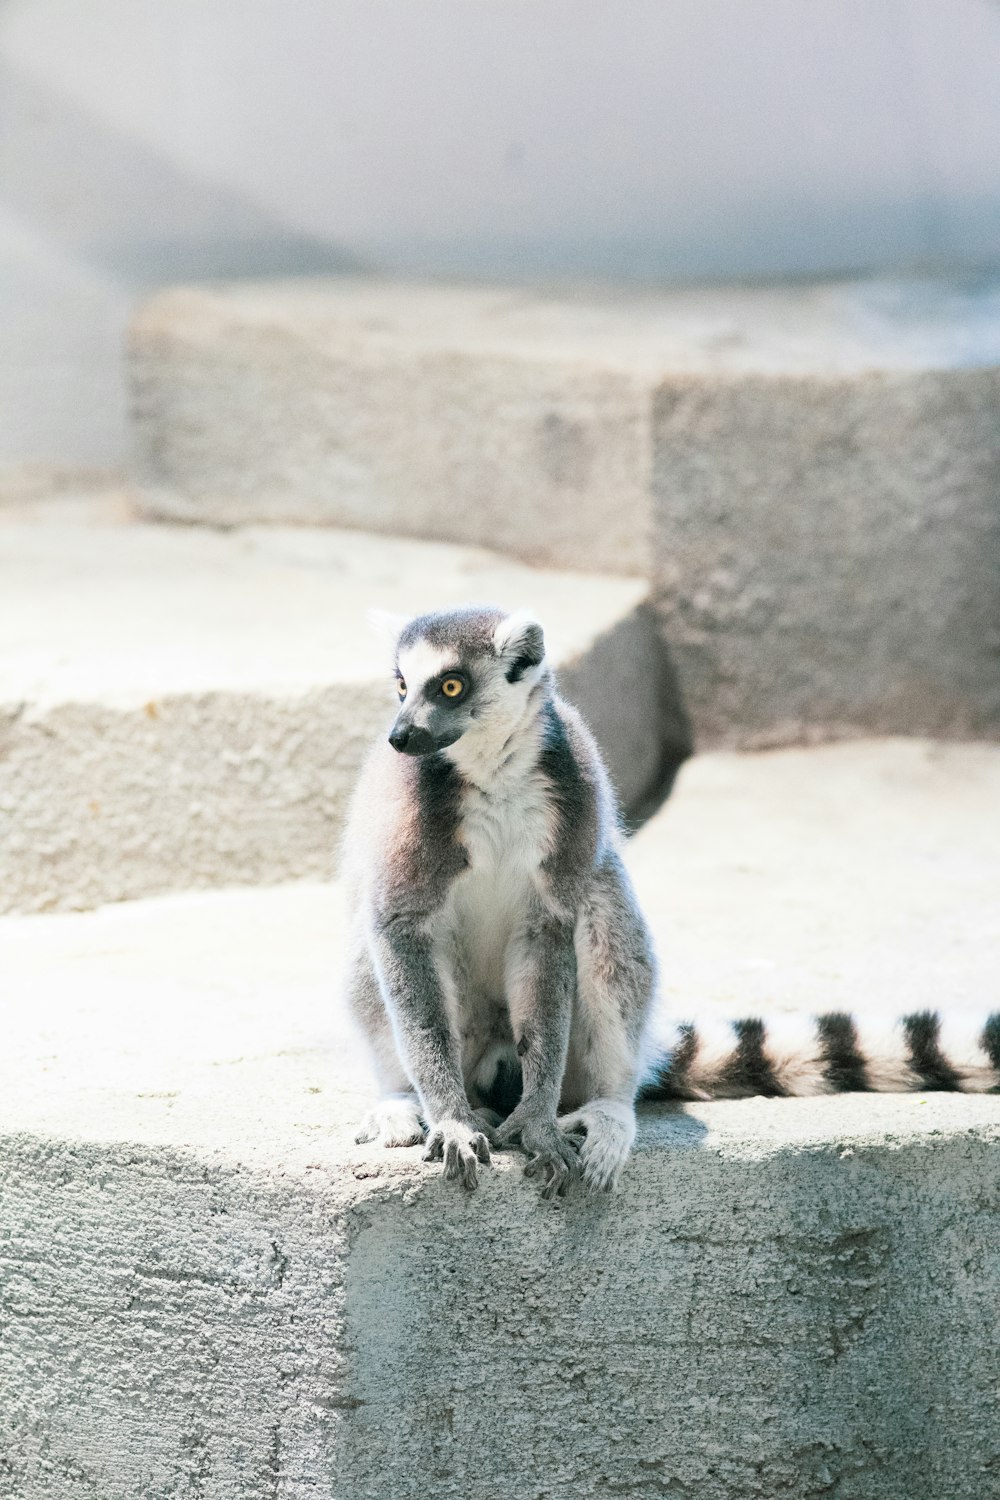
[[413, 993], [542, 981], [542, 1009], [414, 997]]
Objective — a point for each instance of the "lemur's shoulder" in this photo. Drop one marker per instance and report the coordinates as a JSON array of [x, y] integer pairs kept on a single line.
[[400, 845], [565, 726], [583, 801]]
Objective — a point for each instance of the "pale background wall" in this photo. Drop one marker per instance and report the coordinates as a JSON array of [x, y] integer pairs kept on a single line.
[[144, 141]]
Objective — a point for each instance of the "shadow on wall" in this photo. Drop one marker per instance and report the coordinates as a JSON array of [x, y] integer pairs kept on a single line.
[[643, 726], [122, 219], [128, 211]]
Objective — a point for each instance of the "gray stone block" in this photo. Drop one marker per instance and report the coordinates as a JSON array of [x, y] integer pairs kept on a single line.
[[207, 1288], [767, 1307], [828, 552], [811, 473], [181, 707], [469, 414]]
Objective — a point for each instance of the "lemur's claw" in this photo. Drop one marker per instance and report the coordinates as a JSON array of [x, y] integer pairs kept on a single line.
[[460, 1147], [551, 1157], [557, 1174]]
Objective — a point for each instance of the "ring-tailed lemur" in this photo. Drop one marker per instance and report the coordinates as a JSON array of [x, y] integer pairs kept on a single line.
[[500, 965]]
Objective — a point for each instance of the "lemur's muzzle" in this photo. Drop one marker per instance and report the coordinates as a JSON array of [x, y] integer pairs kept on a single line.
[[410, 739]]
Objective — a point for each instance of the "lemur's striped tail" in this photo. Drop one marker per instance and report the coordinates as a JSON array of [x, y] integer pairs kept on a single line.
[[826, 1054]]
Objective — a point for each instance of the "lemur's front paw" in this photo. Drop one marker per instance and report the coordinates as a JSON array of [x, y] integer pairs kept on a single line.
[[394, 1120], [551, 1156], [460, 1147]]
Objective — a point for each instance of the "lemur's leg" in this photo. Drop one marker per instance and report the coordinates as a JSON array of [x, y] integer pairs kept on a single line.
[[616, 986], [395, 1119], [412, 981], [541, 982]]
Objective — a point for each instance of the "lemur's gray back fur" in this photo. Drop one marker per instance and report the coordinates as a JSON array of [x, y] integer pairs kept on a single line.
[[500, 966]]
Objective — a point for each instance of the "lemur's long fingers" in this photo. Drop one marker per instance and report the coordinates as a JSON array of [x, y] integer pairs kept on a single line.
[[453, 1163], [558, 1168], [460, 1155], [435, 1146], [557, 1175]]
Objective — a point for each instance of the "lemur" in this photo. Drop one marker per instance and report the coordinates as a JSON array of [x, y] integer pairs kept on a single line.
[[499, 963]]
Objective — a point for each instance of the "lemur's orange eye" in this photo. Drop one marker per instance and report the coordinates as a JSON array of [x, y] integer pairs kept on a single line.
[[453, 687], [401, 687]]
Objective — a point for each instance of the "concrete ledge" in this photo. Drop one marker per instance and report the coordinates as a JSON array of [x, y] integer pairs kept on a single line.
[[809, 472], [185, 708], [209, 1289], [785, 1296]]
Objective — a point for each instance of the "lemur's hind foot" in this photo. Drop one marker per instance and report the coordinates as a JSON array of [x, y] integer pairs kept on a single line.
[[603, 1132], [395, 1121]]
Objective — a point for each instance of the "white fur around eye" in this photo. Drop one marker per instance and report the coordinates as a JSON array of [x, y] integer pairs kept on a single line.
[[422, 661]]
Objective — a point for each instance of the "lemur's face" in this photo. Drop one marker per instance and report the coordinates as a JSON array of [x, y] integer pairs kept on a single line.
[[463, 672]]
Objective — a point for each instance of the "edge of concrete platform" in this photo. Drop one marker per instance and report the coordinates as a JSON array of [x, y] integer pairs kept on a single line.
[[749, 1314]]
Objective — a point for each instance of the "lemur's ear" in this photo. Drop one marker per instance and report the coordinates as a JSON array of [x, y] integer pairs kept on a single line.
[[387, 625], [519, 641]]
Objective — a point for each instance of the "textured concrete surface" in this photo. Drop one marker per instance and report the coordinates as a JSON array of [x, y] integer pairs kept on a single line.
[[828, 552], [525, 419], [181, 707], [474, 414], [810, 473], [208, 1289], [832, 878]]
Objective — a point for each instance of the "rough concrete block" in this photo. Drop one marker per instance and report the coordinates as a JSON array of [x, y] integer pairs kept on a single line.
[[208, 1289], [810, 472], [180, 707], [471, 414], [827, 537]]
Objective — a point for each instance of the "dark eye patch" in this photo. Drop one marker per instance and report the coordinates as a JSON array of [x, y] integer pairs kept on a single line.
[[453, 686], [435, 687]]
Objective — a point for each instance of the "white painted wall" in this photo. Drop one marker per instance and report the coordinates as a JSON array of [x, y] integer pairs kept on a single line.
[[144, 141]]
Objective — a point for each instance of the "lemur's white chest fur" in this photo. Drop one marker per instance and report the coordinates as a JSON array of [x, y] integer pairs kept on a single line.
[[506, 831]]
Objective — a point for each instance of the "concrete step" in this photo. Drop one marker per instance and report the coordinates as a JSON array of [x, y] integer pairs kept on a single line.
[[208, 1288], [184, 707], [809, 473]]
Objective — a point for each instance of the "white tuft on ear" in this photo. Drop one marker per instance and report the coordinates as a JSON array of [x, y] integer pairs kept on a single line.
[[387, 625], [519, 638]]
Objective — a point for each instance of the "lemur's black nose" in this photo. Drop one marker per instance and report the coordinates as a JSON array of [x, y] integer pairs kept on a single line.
[[410, 739]]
